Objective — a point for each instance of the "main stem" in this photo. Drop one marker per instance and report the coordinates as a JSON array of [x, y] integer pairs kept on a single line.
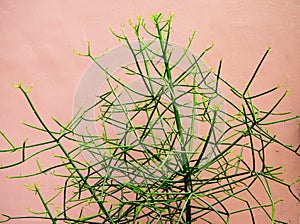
[[186, 170]]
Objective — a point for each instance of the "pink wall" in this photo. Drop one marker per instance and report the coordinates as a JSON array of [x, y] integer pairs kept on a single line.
[[37, 38]]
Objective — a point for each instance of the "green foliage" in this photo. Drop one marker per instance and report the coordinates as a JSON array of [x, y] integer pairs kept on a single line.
[[163, 170]]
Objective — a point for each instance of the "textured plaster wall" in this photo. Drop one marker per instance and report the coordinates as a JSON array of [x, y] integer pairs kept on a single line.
[[37, 38]]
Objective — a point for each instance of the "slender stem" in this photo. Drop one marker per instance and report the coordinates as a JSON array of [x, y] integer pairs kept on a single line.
[[91, 190], [44, 203]]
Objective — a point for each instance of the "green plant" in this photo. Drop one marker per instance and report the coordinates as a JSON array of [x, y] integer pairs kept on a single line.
[[194, 154]]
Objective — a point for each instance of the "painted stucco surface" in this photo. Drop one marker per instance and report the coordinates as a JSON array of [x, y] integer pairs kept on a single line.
[[36, 42]]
